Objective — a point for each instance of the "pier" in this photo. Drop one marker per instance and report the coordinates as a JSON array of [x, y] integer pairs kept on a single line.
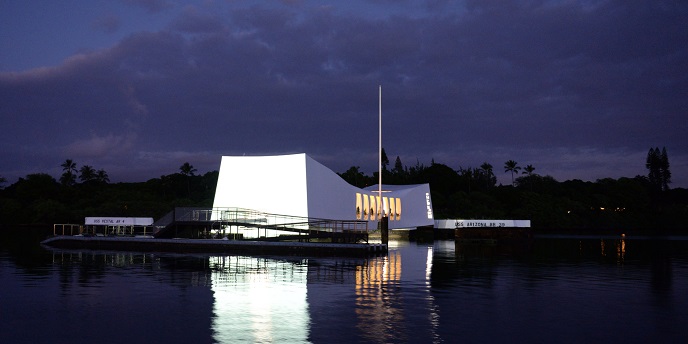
[[225, 230]]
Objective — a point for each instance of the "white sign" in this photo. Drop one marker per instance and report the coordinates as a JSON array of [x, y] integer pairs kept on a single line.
[[459, 223], [428, 205], [119, 221]]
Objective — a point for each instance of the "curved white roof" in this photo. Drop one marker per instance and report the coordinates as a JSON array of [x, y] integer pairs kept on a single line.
[[297, 185]]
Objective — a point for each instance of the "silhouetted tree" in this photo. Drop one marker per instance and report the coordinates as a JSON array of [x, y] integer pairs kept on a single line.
[[69, 176], [467, 175], [398, 166], [399, 174], [2, 182], [444, 182], [354, 177], [490, 178], [414, 172], [102, 176], [528, 170], [37, 186], [652, 164], [385, 160], [87, 173], [511, 166], [664, 169], [188, 170], [657, 164]]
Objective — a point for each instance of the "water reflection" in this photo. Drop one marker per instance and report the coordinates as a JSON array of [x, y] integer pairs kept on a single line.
[[619, 246], [259, 300], [393, 297], [264, 300], [376, 294], [561, 288]]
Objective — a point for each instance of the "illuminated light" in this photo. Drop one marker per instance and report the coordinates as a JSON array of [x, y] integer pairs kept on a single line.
[[601, 208], [392, 209], [372, 208], [568, 212], [378, 208], [366, 207], [359, 206], [385, 206], [398, 208]]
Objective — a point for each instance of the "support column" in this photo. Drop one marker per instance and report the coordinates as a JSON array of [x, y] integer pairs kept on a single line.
[[384, 230]]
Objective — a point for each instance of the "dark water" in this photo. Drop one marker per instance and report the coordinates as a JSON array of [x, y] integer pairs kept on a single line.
[[557, 290]]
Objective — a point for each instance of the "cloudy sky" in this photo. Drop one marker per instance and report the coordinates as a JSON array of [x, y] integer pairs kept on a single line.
[[578, 89]]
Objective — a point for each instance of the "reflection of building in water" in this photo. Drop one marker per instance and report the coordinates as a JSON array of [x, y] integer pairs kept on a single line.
[[118, 259], [382, 296], [259, 300], [377, 292]]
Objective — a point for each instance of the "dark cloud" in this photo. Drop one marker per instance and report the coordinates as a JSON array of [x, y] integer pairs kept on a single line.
[[152, 6], [108, 23], [579, 90], [194, 21]]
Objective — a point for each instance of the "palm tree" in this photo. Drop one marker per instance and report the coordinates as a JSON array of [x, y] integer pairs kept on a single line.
[[69, 175], [102, 176], [188, 170], [487, 168], [511, 166], [88, 173], [69, 166], [528, 170]]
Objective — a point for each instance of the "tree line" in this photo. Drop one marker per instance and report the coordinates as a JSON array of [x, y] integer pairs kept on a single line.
[[84, 191], [640, 202]]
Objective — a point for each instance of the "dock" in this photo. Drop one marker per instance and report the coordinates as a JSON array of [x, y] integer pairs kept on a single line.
[[487, 231], [182, 245]]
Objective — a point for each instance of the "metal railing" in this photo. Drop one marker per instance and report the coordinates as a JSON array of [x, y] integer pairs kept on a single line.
[[256, 224], [102, 230]]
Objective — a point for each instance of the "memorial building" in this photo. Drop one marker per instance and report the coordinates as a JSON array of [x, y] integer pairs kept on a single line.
[[297, 185]]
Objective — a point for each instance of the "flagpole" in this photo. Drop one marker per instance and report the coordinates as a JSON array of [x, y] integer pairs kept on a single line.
[[379, 166], [384, 225]]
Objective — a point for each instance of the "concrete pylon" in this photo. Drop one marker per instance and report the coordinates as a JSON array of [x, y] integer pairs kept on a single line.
[[384, 230]]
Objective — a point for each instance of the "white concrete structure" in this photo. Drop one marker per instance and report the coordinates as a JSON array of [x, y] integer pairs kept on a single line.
[[461, 223], [297, 185], [118, 221]]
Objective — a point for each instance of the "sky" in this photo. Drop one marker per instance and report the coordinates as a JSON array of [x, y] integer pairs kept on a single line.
[[577, 89]]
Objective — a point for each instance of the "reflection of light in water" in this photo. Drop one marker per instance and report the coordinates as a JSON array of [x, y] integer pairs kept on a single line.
[[434, 317], [375, 295], [621, 250], [428, 266], [381, 299], [259, 300]]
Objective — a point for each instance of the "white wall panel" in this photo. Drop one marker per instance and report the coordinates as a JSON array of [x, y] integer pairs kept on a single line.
[[297, 185]]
